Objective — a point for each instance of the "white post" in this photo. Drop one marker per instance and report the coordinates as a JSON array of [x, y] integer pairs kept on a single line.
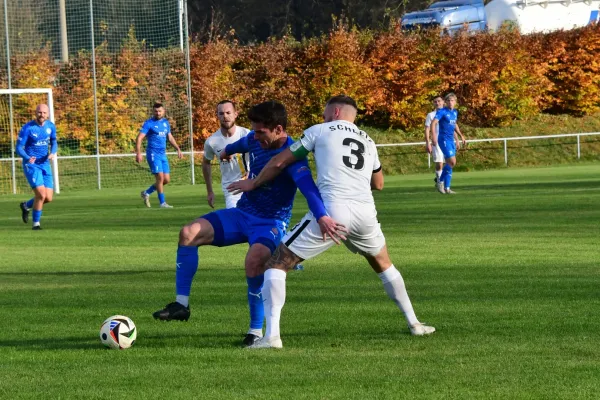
[[181, 14], [55, 159], [64, 45], [189, 95], [10, 104], [429, 160], [95, 94], [578, 148], [505, 153]]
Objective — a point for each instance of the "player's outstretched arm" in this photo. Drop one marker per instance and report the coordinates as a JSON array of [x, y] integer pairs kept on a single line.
[[138, 147], [434, 130], [377, 180], [21, 140], [300, 172], [53, 145], [427, 138], [174, 144], [332, 228], [457, 130], [267, 174], [207, 174]]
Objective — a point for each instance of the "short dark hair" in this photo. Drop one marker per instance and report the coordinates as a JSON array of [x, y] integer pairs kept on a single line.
[[439, 96], [270, 114], [225, 102], [342, 99], [158, 105]]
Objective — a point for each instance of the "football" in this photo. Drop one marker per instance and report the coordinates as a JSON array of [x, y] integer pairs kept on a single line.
[[118, 332]]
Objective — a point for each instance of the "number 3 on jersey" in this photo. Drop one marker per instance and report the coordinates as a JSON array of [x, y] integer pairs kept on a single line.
[[356, 152]]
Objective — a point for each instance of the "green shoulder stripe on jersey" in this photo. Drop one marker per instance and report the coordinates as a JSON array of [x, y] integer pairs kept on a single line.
[[298, 150]]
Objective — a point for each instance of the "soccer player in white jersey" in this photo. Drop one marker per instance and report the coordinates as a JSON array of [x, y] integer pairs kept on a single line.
[[348, 168], [435, 151], [233, 169]]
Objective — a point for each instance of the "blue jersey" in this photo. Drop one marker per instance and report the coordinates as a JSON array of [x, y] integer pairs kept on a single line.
[[34, 139], [447, 120], [156, 131], [273, 200]]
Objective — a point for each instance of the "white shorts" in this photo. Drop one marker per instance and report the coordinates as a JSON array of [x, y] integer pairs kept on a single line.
[[364, 232], [438, 156], [231, 199]]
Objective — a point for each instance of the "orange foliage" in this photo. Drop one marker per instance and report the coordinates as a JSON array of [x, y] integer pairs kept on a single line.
[[393, 76]]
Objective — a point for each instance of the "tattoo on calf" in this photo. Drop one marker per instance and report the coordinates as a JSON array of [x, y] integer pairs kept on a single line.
[[283, 259]]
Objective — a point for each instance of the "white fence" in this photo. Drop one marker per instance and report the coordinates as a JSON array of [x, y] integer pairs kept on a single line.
[[505, 140], [132, 172]]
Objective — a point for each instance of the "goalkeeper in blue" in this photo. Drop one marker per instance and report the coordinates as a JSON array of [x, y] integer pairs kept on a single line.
[[32, 146], [157, 130], [260, 218]]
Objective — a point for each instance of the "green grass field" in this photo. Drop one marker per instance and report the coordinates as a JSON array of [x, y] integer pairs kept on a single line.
[[509, 276]]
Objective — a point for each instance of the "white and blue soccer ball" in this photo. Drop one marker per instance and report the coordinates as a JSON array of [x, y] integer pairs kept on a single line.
[[118, 332]]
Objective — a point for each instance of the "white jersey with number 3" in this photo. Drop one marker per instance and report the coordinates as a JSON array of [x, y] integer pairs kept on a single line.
[[346, 158]]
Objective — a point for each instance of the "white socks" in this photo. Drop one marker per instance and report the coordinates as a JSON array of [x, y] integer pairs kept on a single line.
[[256, 332], [273, 293], [183, 300], [395, 289], [438, 173]]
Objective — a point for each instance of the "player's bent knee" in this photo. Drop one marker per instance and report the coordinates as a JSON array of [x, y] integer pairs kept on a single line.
[[188, 233], [283, 258], [40, 195], [257, 257], [197, 233], [381, 261]]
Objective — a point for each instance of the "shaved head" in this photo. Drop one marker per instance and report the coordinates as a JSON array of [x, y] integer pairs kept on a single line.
[[42, 113], [340, 108], [41, 107]]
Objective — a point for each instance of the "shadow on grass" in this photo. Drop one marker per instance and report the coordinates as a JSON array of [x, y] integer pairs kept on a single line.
[[544, 185], [92, 273], [214, 340], [67, 343]]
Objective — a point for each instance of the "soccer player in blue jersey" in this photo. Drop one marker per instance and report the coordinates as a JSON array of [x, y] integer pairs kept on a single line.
[[444, 137], [259, 219], [32, 146], [157, 130]]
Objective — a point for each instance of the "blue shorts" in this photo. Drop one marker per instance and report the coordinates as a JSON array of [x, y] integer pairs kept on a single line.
[[448, 148], [233, 226], [39, 175], [158, 162]]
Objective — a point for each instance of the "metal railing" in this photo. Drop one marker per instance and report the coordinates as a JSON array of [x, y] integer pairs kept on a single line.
[[490, 140], [505, 140]]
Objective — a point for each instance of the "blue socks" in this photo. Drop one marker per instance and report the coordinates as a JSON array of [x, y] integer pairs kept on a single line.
[[447, 176], [161, 198], [37, 215], [187, 265], [150, 190], [29, 203], [255, 301]]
